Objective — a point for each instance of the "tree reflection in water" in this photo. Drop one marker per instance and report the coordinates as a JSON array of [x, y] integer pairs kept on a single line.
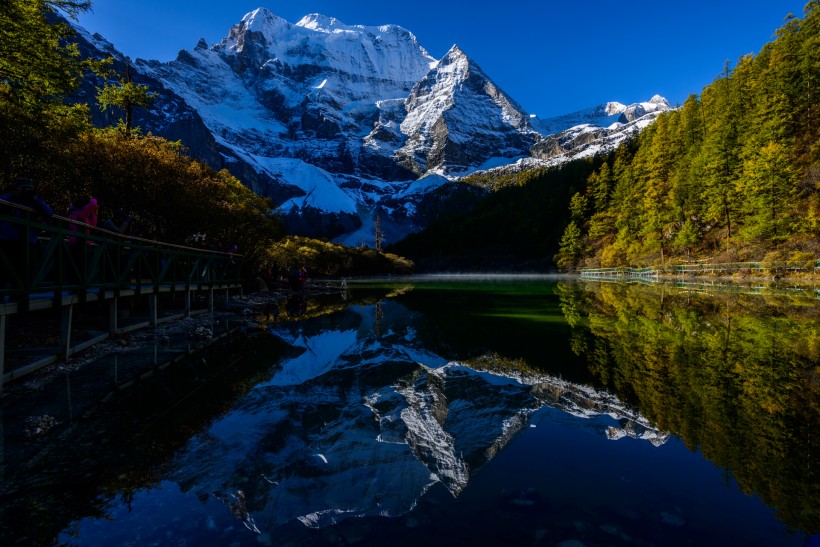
[[733, 373]]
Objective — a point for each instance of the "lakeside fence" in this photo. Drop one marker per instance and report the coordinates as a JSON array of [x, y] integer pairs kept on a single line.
[[42, 267], [705, 269]]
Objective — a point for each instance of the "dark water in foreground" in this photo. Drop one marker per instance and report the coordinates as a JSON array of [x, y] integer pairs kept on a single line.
[[528, 412]]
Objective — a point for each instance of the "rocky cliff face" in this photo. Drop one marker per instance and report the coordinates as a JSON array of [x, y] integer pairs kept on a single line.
[[339, 123], [457, 118]]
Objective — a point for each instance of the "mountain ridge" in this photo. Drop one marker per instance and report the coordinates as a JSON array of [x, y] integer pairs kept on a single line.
[[334, 122]]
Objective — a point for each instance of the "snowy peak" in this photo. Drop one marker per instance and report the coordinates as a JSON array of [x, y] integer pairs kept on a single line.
[[652, 105], [321, 23], [455, 67], [454, 104], [261, 22], [613, 107], [389, 53], [454, 55], [638, 110], [608, 115]]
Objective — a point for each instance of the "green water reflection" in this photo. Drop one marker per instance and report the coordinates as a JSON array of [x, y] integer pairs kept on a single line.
[[735, 373]]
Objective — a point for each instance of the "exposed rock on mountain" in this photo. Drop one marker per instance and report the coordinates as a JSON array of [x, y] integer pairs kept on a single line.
[[458, 118]]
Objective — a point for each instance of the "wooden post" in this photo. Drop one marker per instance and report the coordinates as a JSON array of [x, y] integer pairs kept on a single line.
[[2, 445], [152, 309], [211, 300], [187, 302], [113, 311], [65, 329], [2, 361]]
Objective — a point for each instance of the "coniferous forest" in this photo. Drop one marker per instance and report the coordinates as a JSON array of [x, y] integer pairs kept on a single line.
[[731, 175]]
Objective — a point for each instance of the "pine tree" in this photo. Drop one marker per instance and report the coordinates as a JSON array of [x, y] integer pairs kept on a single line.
[[599, 187], [571, 247], [768, 188], [125, 95], [38, 68], [720, 156]]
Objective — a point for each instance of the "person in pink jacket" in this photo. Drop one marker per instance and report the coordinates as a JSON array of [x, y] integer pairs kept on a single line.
[[83, 211]]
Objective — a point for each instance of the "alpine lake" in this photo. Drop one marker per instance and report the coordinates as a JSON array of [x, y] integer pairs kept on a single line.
[[526, 410]]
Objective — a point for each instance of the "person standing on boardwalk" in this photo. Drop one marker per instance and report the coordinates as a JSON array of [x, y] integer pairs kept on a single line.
[[83, 211], [121, 223]]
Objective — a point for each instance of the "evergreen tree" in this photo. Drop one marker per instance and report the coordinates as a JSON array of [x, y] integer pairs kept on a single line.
[[719, 157], [571, 247], [125, 95], [38, 67], [600, 186], [768, 184]]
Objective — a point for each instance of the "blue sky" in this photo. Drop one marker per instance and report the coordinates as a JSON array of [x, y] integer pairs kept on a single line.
[[552, 56]]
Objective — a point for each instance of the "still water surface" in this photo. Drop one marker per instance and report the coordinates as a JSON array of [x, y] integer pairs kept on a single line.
[[528, 412]]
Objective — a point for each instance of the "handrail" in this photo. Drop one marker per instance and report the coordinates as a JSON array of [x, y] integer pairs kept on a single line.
[[100, 259], [699, 267]]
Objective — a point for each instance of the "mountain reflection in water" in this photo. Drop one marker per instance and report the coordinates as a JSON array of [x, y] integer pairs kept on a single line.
[[358, 424], [529, 413]]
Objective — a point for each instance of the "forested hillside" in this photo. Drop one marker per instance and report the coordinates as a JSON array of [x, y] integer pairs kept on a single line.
[[516, 228], [734, 174]]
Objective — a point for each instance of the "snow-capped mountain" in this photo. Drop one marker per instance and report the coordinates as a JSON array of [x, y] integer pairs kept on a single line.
[[457, 118], [340, 123], [609, 115]]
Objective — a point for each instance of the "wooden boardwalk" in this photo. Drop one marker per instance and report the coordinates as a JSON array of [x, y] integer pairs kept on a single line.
[[41, 274]]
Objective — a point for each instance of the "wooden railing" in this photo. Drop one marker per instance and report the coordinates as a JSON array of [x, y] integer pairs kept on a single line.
[[759, 268], [44, 268], [98, 260]]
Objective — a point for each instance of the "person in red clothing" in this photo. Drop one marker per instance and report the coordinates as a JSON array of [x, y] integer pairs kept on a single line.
[[82, 211]]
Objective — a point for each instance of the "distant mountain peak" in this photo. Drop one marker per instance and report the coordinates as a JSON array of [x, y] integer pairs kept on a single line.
[[321, 23], [455, 52], [454, 104], [260, 22], [259, 18], [614, 107]]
